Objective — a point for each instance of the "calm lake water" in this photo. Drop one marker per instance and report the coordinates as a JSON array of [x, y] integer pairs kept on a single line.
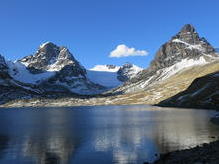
[[99, 135]]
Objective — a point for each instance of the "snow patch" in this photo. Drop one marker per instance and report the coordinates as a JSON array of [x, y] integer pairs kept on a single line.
[[42, 45], [104, 78], [189, 46], [184, 63], [19, 72]]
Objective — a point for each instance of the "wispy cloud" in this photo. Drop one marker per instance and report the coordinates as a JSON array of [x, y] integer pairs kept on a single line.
[[124, 51]]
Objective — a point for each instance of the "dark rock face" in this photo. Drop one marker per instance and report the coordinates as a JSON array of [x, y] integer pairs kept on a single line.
[[202, 93], [3, 68]]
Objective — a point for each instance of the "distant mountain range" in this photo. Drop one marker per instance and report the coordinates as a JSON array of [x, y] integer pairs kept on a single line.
[[53, 72]]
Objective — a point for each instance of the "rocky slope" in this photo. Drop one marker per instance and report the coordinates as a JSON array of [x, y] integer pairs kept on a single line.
[[11, 89], [202, 93], [184, 50]]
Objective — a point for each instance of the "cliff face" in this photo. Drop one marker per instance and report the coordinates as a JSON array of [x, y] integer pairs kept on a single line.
[[3, 69]]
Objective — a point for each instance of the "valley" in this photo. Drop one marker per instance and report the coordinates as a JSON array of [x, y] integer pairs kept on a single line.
[[53, 77]]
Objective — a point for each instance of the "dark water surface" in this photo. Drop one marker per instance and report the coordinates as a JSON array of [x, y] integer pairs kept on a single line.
[[99, 135]]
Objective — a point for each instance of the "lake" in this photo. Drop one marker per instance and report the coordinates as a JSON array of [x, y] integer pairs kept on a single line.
[[100, 134]]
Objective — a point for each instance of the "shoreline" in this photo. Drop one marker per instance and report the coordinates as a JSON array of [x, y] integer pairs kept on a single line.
[[206, 153]]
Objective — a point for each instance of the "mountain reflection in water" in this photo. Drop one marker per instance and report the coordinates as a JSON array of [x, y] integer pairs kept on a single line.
[[110, 134]]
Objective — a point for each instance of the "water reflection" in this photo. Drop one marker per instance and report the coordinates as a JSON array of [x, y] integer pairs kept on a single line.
[[119, 134], [52, 143]]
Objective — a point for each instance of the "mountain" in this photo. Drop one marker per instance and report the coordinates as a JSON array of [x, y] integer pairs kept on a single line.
[[50, 69], [112, 76], [10, 89], [184, 50], [127, 72], [53, 70], [202, 93]]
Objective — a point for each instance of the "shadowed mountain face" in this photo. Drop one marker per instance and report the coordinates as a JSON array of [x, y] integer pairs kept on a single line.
[[202, 93], [185, 49], [3, 69]]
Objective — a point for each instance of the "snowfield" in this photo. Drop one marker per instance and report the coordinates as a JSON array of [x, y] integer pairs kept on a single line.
[[107, 75], [20, 73], [108, 79]]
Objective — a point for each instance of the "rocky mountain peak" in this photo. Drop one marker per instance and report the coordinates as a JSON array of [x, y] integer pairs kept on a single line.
[[50, 50], [185, 49], [128, 71], [184, 45], [187, 28], [50, 57]]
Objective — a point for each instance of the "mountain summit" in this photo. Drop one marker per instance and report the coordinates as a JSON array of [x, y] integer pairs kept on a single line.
[[50, 57], [185, 49], [53, 69], [185, 45]]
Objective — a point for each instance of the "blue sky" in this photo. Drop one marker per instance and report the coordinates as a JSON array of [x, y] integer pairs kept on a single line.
[[91, 29]]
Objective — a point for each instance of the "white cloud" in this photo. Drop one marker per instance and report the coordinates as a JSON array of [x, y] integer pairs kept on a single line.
[[124, 51]]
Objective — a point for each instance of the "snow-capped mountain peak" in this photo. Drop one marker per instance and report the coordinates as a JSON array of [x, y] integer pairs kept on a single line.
[[185, 49], [49, 57], [128, 71], [45, 44], [52, 68]]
